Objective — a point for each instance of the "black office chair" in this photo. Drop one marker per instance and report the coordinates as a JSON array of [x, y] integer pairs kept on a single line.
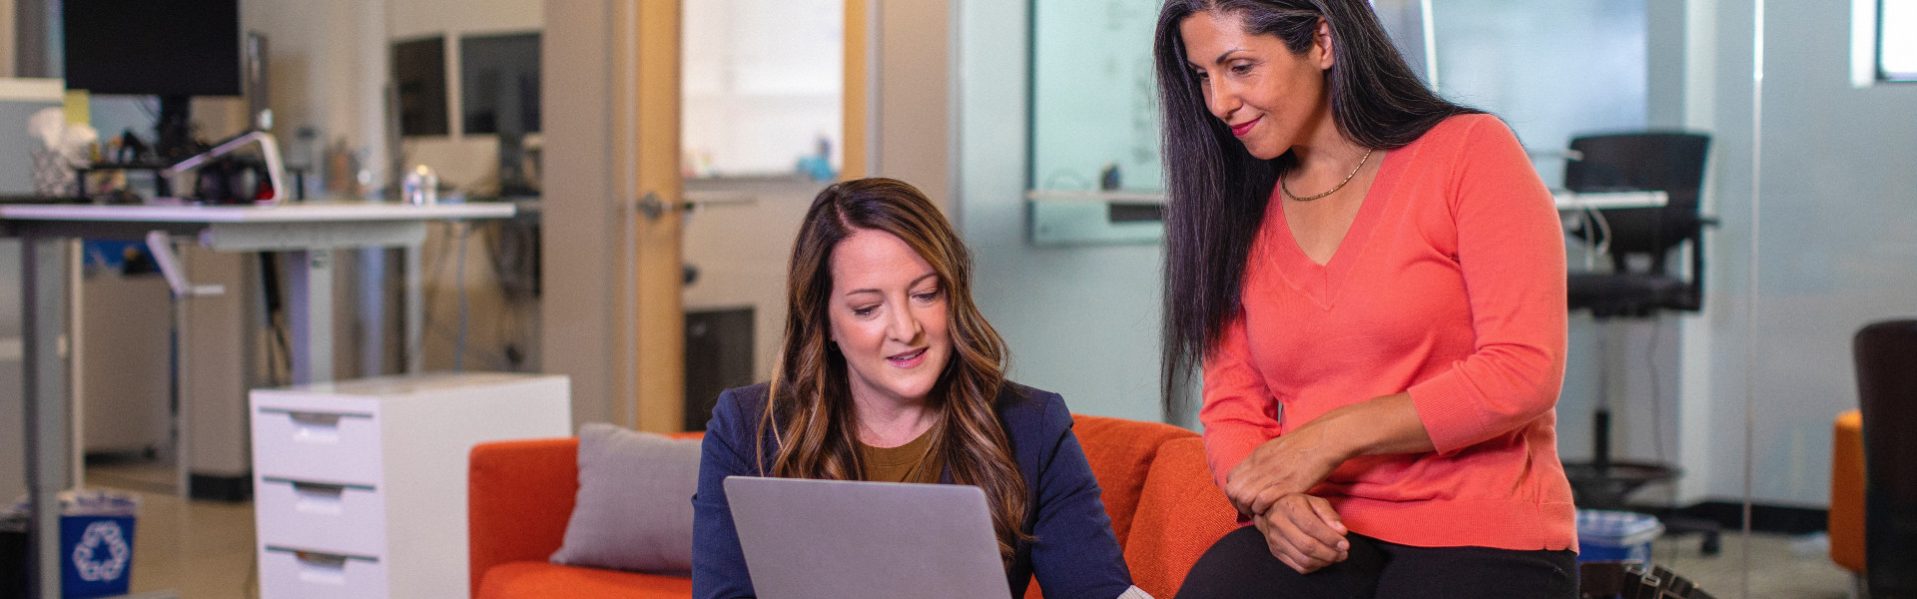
[[1640, 285], [1886, 356]]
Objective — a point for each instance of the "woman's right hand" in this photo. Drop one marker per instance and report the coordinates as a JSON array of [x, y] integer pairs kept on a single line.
[[1304, 532]]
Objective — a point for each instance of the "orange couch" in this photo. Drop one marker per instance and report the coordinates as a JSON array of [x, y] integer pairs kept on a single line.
[[1158, 491]]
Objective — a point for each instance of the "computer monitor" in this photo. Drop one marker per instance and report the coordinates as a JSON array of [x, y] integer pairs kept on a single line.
[[174, 49]]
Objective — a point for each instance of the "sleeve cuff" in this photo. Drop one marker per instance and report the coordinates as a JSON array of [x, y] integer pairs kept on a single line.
[[1449, 415]]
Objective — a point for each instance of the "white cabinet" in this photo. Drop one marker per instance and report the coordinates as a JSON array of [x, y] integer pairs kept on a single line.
[[357, 479]]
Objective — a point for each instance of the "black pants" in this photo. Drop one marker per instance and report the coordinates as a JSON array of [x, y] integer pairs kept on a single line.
[[1241, 565]]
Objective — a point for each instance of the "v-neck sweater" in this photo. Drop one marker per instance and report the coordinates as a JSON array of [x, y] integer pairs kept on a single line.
[[1449, 285]]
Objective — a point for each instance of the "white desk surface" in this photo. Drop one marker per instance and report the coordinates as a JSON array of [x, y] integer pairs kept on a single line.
[[283, 213], [1571, 200]]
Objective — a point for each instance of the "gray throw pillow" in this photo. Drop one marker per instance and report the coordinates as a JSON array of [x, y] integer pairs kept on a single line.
[[634, 510]]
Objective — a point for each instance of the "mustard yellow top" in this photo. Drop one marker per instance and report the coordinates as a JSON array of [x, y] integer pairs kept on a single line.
[[908, 463]]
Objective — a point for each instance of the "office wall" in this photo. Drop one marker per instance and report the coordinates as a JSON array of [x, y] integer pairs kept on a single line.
[[916, 134], [582, 271], [1831, 212], [1081, 321]]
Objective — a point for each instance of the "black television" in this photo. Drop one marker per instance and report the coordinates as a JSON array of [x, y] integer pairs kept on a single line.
[[174, 49]]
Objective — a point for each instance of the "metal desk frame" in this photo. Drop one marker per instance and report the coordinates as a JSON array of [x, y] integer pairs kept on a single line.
[[309, 232]]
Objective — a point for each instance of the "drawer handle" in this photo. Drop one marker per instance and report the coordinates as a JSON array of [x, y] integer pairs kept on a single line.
[[321, 567], [319, 498], [315, 427]]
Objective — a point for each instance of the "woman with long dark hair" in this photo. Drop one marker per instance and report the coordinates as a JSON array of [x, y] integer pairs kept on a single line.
[[888, 372], [1371, 280]]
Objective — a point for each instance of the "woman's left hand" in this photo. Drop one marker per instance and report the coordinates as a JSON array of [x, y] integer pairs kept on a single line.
[[1291, 463]]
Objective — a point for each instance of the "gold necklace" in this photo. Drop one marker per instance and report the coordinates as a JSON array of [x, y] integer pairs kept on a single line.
[[1341, 184]]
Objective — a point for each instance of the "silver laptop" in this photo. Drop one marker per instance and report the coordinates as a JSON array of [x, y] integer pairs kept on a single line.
[[805, 539]]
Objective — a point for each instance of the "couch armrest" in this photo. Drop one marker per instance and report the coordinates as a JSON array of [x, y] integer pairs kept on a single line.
[[519, 498], [1181, 513]]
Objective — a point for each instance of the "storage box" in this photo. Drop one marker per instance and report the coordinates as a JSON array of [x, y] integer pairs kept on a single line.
[[1612, 536]]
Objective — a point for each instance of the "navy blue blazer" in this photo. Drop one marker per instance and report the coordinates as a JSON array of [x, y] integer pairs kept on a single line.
[[1074, 553]]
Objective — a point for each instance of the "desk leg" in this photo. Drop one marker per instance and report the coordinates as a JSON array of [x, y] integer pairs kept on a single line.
[[415, 317], [311, 303], [44, 318]]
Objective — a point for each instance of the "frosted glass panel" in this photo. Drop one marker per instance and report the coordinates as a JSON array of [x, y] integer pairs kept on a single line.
[[1092, 94], [1094, 102], [1550, 69]]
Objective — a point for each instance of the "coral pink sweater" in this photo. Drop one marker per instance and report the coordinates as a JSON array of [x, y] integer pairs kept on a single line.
[[1449, 285]]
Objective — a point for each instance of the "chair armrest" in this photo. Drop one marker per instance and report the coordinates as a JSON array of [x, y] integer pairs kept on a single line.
[[519, 498]]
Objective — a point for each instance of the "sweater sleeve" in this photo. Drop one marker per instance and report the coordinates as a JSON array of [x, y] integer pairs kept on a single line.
[[1510, 249], [1073, 553], [718, 562], [1239, 412]]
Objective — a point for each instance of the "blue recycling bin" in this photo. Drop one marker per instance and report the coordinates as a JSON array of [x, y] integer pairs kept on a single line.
[[96, 554], [96, 542], [1614, 536]]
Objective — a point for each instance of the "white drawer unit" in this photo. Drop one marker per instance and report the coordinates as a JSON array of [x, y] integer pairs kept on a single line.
[[355, 479]]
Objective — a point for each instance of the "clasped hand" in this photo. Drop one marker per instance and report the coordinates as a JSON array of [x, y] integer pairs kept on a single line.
[[1270, 487]]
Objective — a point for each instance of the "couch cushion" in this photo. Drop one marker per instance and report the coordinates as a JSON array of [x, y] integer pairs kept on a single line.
[[634, 508], [531, 580], [1181, 513], [1120, 452], [519, 497]]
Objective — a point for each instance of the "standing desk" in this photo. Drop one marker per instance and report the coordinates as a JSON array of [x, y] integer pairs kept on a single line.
[[308, 232]]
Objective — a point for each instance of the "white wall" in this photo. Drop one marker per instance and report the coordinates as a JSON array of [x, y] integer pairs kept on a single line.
[[1833, 253], [1079, 321]]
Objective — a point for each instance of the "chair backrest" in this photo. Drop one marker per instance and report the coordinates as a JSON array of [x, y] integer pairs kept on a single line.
[[1886, 356], [1667, 161]]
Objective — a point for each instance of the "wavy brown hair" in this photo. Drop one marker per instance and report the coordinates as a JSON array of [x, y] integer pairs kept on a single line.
[[809, 406]]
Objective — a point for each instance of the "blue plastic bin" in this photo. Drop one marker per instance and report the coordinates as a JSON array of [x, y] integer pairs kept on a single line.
[[96, 544], [1612, 536]]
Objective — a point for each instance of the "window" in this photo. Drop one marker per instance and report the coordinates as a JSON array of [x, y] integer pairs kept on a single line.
[[1897, 40]]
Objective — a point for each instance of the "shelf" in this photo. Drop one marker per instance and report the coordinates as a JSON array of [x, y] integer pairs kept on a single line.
[[1094, 217]]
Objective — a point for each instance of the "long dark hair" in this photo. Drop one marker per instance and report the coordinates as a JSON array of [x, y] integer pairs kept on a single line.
[[809, 405], [1217, 192]]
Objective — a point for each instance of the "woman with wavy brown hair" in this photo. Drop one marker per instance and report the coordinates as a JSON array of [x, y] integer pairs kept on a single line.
[[889, 373]]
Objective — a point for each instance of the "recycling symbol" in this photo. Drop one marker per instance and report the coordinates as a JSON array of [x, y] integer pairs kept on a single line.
[[102, 553]]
